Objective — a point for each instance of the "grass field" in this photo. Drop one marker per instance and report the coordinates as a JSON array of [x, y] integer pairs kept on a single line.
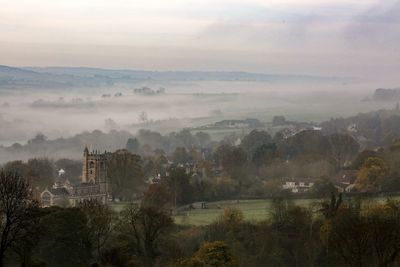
[[253, 210]]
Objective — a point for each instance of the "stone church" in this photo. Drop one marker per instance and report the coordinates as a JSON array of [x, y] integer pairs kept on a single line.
[[93, 184]]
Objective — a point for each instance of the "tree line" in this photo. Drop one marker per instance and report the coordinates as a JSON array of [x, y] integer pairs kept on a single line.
[[254, 168], [333, 232]]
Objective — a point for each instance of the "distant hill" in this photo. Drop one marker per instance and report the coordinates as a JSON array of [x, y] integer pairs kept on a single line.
[[382, 94], [25, 78], [75, 77], [372, 129]]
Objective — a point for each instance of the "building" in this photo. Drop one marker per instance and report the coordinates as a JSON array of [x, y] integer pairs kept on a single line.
[[93, 184], [298, 185], [344, 181]]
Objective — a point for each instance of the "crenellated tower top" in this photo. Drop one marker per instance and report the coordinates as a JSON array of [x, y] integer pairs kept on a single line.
[[94, 169]]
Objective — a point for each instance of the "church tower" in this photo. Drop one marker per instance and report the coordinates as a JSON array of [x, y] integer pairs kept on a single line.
[[94, 168]]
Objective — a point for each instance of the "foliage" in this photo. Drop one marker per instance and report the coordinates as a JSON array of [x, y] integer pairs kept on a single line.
[[363, 238], [144, 228], [157, 196], [66, 240], [306, 143], [265, 154], [181, 156], [125, 175], [323, 187], [232, 217], [178, 184], [371, 175], [99, 220], [253, 141], [344, 147], [213, 254]]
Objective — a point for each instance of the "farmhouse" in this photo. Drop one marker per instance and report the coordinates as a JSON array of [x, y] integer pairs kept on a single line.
[[344, 181]]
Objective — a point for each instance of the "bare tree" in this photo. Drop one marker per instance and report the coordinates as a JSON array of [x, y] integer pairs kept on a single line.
[[16, 207]]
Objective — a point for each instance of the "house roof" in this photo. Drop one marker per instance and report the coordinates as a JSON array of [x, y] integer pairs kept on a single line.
[[346, 176]]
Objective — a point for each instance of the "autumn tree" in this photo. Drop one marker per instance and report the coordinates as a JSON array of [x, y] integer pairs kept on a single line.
[[231, 219], [157, 196], [383, 221], [362, 157], [212, 254], [371, 174], [345, 236], [292, 226]]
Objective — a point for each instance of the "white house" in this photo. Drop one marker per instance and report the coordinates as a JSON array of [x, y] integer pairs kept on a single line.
[[298, 185]]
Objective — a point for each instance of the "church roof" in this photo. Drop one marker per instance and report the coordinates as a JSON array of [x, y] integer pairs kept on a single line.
[[58, 191]]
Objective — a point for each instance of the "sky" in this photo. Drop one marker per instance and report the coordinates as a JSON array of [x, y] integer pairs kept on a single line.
[[318, 37]]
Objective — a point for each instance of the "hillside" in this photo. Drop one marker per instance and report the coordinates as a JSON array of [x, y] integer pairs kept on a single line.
[[75, 77]]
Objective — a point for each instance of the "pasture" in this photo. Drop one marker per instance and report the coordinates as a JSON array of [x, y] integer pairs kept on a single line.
[[253, 210]]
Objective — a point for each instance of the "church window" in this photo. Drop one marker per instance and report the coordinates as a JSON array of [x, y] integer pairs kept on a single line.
[[46, 199]]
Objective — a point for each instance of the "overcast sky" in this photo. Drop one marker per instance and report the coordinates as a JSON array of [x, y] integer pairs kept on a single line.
[[341, 37]]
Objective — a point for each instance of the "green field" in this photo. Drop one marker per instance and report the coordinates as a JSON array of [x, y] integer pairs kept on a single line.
[[253, 210]]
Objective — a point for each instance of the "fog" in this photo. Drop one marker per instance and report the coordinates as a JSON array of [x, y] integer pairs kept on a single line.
[[64, 113], [343, 49]]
